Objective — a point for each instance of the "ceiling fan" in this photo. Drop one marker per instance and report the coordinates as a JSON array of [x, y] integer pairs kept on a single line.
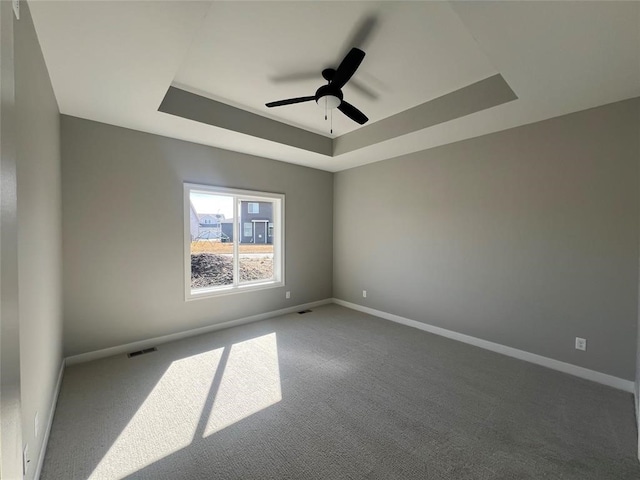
[[330, 95]]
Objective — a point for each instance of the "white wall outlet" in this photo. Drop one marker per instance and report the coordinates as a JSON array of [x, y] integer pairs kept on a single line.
[[25, 460], [287, 295], [581, 344], [35, 425], [364, 293]]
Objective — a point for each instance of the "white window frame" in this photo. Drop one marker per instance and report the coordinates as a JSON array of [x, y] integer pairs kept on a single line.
[[250, 204], [278, 240]]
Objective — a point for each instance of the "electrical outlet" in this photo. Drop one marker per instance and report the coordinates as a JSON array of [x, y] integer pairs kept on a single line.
[[35, 425], [287, 295], [25, 460], [364, 293], [581, 344]]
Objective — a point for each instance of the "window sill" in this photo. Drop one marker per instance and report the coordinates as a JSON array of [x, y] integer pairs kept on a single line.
[[231, 290]]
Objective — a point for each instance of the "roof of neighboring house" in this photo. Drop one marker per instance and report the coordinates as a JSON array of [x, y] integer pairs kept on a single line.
[[217, 216], [193, 209]]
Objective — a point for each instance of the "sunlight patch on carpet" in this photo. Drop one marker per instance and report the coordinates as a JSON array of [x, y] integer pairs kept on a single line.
[[196, 397], [166, 421], [250, 383]]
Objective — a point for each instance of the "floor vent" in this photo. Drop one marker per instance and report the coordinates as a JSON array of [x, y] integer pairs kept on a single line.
[[142, 352], [304, 311]]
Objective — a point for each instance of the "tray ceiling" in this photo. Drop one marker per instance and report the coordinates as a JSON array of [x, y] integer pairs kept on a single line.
[[114, 62]]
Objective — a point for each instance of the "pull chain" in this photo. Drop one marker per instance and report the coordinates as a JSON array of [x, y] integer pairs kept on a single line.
[[332, 122], [325, 108]]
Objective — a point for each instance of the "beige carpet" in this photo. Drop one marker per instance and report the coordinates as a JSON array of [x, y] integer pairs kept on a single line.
[[334, 394]]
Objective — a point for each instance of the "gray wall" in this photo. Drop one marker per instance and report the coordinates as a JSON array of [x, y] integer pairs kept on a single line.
[[638, 348], [31, 242], [11, 427], [527, 237], [39, 233], [123, 233]]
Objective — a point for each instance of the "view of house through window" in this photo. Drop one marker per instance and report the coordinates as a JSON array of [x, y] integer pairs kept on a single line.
[[234, 239]]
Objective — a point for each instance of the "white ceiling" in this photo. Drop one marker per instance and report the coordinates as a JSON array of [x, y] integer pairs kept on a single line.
[[418, 51], [114, 61]]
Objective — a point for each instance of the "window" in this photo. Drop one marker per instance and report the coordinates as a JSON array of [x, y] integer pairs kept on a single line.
[[229, 259]]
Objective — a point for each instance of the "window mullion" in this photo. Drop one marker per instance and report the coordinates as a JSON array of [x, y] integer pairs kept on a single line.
[[236, 242]]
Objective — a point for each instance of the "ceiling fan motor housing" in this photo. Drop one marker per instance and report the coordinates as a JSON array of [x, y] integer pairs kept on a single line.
[[332, 93], [332, 96]]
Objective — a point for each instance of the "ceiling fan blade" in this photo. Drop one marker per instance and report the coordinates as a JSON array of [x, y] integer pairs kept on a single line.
[[353, 113], [296, 77], [363, 32], [362, 88], [348, 67], [289, 101]]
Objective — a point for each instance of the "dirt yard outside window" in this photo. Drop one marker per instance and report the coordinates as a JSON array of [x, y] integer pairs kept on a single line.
[[212, 263]]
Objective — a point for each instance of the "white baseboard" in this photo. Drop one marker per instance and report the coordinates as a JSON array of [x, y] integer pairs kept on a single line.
[[151, 342], [51, 412], [603, 378]]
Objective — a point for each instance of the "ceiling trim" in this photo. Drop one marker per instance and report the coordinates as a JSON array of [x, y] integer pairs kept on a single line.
[[487, 93], [478, 96], [201, 109]]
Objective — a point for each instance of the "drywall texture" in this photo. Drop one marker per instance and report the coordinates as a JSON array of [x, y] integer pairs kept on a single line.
[[39, 234], [527, 237], [123, 233]]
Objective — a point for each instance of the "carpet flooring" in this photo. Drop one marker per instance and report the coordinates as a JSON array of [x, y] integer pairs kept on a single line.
[[334, 394]]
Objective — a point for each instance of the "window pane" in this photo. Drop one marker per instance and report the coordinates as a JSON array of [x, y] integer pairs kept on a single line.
[[234, 237], [256, 262], [212, 245], [256, 250]]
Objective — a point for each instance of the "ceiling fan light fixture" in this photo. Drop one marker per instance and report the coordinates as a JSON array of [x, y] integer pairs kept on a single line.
[[332, 91], [331, 101]]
